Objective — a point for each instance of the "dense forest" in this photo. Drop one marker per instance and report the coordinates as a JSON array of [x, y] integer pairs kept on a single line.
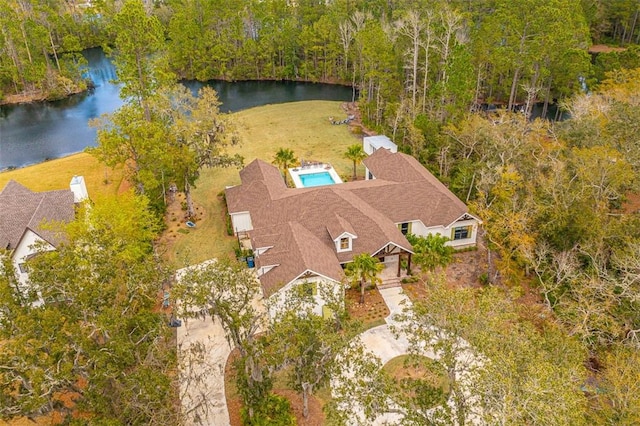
[[455, 84], [432, 58]]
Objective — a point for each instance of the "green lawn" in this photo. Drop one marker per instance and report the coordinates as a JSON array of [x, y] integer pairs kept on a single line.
[[303, 127], [56, 174]]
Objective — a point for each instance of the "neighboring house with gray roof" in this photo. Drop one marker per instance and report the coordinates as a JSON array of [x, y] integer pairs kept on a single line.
[[307, 235], [24, 216]]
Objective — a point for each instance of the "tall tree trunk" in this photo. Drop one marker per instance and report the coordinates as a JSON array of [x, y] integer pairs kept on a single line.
[[532, 91], [187, 195], [306, 390], [514, 89], [14, 58], [26, 42], [427, 47], [55, 52], [633, 26], [363, 285], [547, 97], [141, 81]]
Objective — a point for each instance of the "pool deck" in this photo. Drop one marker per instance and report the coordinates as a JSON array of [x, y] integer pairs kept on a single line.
[[310, 168]]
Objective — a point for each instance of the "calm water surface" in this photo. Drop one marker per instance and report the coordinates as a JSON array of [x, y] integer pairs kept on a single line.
[[33, 133]]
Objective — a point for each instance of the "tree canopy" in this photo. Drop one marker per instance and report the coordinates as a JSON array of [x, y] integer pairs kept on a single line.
[[97, 339]]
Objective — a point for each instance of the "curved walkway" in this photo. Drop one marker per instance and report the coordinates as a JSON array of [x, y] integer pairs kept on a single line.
[[381, 342]]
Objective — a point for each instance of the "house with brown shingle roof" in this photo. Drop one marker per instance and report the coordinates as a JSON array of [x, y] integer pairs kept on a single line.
[[24, 216], [307, 235]]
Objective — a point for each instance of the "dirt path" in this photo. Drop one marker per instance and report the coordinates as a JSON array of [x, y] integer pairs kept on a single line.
[[603, 48], [355, 125]]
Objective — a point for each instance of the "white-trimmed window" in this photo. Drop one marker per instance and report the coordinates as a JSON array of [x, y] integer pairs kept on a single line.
[[23, 268], [344, 243], [461, 232]]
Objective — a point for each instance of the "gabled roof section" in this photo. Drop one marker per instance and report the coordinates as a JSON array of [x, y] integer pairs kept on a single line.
[[392, 167], [411, 192], [21, 208], [295, 250], [259, 170], [261, 182], [338, 226]]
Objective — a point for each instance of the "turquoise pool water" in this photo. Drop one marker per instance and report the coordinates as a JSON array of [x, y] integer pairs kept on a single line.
[[316, 179]]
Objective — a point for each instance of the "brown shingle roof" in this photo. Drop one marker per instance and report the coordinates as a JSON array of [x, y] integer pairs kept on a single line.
[[21, 208], [295, 251], [337, 225], [408, 191], [301, 223]]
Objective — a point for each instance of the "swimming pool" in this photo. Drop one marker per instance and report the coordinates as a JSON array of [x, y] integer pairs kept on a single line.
[[316, 179], [314, 174]]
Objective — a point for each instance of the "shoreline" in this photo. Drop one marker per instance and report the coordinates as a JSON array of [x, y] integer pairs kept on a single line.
[[347, 107], [41, 97]]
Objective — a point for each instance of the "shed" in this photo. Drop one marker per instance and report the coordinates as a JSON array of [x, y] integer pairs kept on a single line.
[[373, 143]]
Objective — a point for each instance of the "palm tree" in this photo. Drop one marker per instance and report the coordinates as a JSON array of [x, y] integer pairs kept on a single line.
[[356, 154], [364, 268], [431, 251], [283, 159]]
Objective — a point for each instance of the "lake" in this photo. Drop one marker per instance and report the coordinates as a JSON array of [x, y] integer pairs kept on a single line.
[[32, 133]]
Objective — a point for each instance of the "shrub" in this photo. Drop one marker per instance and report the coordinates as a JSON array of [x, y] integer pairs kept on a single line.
[[484, 278], [409, 280], [228, 224], [275, 411]]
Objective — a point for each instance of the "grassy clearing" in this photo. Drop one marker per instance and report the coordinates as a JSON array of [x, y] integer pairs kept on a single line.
[[56, 174], [427, 378], [303, 127]]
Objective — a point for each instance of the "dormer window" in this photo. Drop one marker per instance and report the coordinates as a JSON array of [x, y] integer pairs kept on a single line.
[[344, 242]]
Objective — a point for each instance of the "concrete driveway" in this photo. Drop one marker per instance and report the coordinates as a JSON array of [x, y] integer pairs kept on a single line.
[[202, 355], [380, 340]]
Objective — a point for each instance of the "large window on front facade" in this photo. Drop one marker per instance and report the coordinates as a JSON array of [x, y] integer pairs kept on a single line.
[[310, 288], [461, 233]]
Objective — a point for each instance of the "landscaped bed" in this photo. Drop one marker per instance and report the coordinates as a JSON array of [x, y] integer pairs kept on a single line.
[[372, 312]]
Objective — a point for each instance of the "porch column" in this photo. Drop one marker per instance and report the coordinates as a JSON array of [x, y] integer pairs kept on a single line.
[[409, 264], [399, 263]]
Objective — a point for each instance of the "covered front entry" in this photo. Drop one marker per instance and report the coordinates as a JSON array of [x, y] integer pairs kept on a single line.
[[394, 259]]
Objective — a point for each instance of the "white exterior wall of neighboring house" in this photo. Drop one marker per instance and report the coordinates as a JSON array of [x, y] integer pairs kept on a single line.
[[318, 286], [26, 248], [241, 222]]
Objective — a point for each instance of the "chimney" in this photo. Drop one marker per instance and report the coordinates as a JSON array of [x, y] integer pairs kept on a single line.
[[79, 189]]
